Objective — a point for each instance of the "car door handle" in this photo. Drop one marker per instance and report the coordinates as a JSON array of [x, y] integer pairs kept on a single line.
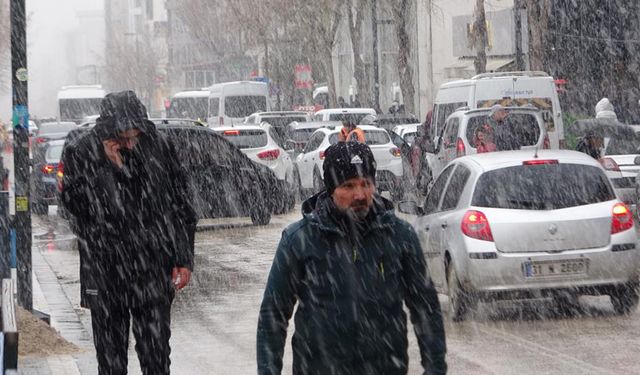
[[444, 225]]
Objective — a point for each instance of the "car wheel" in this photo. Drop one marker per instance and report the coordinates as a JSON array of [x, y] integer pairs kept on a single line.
[[625, 299], [318, 184], [460, 300]]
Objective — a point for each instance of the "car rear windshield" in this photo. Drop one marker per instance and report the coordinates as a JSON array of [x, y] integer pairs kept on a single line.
[[56, 127], [524, 125], [354, 117], [542, 187], [622, 146], [281, 122], [243, 106], [54, 152], [246, 138]]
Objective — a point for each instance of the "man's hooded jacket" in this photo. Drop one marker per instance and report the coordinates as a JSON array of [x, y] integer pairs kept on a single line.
[[134, 224], [349, 281]]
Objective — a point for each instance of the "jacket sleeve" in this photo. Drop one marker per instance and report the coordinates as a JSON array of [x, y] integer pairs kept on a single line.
[[422, 300], [75, 194], [276, 309], [183, 214]]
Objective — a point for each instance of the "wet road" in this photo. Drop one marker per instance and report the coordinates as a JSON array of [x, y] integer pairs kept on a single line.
[[214, 319]]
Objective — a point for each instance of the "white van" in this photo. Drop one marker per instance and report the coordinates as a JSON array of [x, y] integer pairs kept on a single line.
[[192, 104], [77, 102], [510, 89], [231, 102]]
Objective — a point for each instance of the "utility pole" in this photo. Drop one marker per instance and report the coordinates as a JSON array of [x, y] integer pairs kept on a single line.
[[517, 15], [22, 220], [376, 70]]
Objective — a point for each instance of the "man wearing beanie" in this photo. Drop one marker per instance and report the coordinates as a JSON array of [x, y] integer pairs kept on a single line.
[[132, 214], [349, 264]]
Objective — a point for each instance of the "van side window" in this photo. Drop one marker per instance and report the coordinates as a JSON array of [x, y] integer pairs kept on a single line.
[[451, 133], [214, 107], [443, 111]]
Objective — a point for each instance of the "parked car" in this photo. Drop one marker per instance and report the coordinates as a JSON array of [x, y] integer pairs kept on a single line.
[[223, 180], [340, 114], [277, 119], [386, 153], [520, 224], [50, 131], [407, 132], [621, 152], [388, 122], [298, 134], [457, 137], [44, 181], [259, 143]]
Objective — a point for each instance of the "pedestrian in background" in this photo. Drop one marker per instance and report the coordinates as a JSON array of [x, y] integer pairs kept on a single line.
[[129, 199], [604, 109], [349, 264], [591, 144], [350, 132]]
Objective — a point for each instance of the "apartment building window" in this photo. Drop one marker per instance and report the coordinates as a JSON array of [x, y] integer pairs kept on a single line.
[[198, 78]]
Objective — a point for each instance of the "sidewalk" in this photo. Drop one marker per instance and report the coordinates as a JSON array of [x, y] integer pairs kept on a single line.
[[49, 297]]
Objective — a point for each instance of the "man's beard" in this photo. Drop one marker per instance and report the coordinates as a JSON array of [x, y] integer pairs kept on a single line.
[[358, 211]]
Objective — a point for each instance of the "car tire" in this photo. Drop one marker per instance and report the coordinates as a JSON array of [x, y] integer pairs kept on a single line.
[[625, 299], [460, 300], [318, 184]]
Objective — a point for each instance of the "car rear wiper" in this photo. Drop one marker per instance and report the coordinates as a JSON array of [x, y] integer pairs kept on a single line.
[[526, 204]]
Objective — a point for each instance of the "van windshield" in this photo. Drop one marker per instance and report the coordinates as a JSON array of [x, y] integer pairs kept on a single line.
[[77, 109], [243, 106], [193, 108]]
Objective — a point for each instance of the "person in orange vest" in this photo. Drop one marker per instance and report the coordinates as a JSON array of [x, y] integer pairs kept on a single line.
[[350, 132]]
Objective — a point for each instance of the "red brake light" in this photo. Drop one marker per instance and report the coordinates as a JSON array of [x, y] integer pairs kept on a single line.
[[231, 132], [622, 218], [475, 225], [547, 144], [60, 175], [460, 149], [321, 155], [395, 151], [40, 140], [269, 155], [48, 168], [609, 164], [539, 162]]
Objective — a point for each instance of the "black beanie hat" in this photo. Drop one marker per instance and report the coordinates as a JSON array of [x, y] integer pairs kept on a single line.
[[346, 160], [119, 112]]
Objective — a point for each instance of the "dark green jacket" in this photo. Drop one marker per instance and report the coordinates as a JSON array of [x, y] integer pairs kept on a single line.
[[350, 291]]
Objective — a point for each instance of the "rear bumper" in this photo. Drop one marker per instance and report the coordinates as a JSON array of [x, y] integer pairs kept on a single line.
[[505, 274]]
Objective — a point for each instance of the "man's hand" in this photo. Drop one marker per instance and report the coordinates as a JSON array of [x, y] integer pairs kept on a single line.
[[112, 149], [180, 277]]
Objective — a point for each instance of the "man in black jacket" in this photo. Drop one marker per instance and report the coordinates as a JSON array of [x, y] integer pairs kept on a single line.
[[350, 263], [132, 212]]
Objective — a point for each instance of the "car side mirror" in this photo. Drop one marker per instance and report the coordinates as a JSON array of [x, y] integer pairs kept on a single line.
[[636, 161], [410, 208]]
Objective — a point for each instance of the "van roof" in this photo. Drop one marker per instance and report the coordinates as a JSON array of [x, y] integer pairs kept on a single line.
[[508, 109], [495, 76], [192, 94]]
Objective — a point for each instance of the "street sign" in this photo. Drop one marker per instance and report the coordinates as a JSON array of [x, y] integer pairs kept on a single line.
[[303, 78], [20, 117]]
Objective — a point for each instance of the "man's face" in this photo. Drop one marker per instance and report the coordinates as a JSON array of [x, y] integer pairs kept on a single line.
[[355, 196], [500, 115], [128, 139]]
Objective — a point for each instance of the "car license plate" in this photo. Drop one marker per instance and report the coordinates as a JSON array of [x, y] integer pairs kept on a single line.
[[555, 268]]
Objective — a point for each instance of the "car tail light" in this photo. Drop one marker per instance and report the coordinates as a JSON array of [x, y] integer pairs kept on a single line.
[[460, 149], [321, 155], [540, 162], [547, 144], [231, 132], [48, 168], [476, 225], [609, 164], [622, 218], [60, 175], [395, 151], [269, 155], [40, 140]]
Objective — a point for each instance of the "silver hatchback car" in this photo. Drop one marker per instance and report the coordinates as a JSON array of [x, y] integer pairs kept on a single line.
[[509, 225]]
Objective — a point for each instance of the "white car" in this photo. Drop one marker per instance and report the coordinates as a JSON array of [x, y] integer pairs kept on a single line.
[[387, 155], [407, 132], [277, 119], [258, 143], [507, 225], [339, 114]]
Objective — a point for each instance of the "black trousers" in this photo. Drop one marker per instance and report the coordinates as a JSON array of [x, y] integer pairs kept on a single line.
[[151, 327]]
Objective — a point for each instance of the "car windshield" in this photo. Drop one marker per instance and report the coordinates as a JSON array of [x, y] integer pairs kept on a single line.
[[525, 128], [282, 121], [622, 146], [77, 109], [243, 106], [195, 108], [56, 127], [246, 138], [542, 187]]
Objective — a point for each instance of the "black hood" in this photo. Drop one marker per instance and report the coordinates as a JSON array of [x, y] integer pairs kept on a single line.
[[119, 112]]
